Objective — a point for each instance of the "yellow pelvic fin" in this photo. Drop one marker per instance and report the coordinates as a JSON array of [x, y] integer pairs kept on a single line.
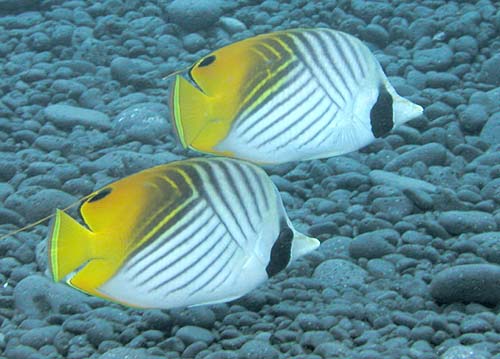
[[69, 246]]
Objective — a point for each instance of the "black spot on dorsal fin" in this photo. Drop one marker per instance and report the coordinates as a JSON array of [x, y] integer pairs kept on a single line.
[[281, 251], [381, 115], [99, 195], [207, 61]]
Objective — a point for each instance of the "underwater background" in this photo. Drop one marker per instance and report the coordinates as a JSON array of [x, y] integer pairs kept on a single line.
[[409, 265]]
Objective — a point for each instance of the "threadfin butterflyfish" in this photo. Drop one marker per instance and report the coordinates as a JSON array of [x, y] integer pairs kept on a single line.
[[285, 96], [187, 233]]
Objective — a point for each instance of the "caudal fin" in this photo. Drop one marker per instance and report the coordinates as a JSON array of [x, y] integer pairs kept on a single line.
[[302, 244], [69, 246]]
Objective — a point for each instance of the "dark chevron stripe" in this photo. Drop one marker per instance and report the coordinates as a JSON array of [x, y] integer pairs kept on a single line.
[[330, 66], [188, 267], [294, 123], [213, 181], [229, 272], [180, 254], [277, 75], [310, 67], [222, 266], [298, 103], [250, 121], [355, 55], [324, 127], [272, 81], [237, 191], [139, 256]]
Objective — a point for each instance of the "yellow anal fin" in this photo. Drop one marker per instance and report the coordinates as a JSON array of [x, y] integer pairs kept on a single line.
[[69, 246]]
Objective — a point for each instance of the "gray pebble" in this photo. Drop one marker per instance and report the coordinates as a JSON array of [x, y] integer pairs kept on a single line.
[[194, 15], [258, 349], [335, 247], [473, 119], [437, 59], [126, 70], [192, 350], [42, 203], [7, 169], [158, 320], [21, 352], [393, 208], [232, 25], [370, 245], [467, 283], [52, 143], [340, 273], [193, 42], [380, 268], [190, 334], [38, 297], [226, 354], [169, 45], [488, 245], [343, 164], [99, 331], [457, 222], [38, 337], [432, 154], [67, 117], [129, 353], [143, 122], [491, 130], [489, 71], [463, 352], [198, 316]]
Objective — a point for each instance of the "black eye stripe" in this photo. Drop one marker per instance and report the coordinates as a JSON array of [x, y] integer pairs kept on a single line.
[[100, 195], [207, 61]]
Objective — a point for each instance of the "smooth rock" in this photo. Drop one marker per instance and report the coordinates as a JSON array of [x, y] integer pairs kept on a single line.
[[467, 283], [463, 352], [432, 154], [190, 334], [145, 122], [370, 245], [38, 337], [491, 130], [489, 71], [66, 117], [258, 349], [340, 273], [473, 119], [44, 202], [488, 245], [457, 222], [37, 297], [129, 353], [194, 15], [437, 59]]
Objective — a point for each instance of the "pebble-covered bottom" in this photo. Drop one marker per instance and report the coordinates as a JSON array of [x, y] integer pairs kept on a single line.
[[409, 265]]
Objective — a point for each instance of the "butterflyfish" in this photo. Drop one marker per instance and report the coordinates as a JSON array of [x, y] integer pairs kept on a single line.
[[187, 233], [285, 96]]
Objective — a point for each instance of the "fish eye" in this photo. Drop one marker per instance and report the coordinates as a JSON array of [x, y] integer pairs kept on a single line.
[[100, 195], [207, 61]]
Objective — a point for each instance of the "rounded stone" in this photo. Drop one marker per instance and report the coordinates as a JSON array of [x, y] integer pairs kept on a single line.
[[467, 283], [340, 273], [370, 245], [194, 15], [457, 222], [190, 334]]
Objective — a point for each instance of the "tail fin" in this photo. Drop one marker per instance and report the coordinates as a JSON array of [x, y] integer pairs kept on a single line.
[[69, 246], [188, 104], [405, 110], [302, 244]]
